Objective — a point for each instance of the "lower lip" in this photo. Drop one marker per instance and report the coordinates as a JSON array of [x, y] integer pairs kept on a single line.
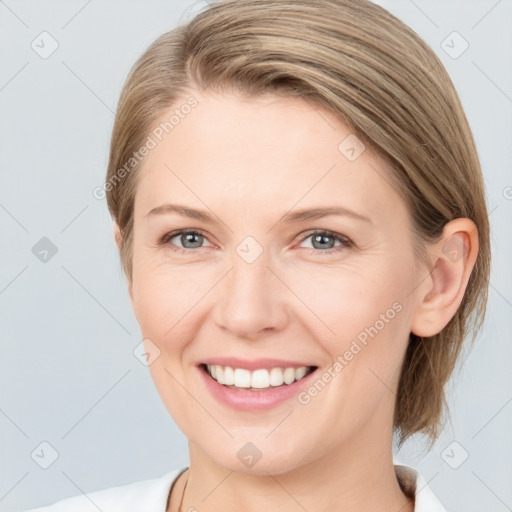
[[245, 400]]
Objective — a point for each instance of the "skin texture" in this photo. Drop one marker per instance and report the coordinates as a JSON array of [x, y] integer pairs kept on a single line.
[[248, 162]]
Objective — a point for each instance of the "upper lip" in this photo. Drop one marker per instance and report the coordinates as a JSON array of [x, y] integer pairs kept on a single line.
[[253, 364]]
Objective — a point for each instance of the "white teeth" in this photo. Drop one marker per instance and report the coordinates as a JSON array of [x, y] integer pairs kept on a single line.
[[219, 375], [258, 379], [276, 377], [242, 378], [300, 372], [289, 375], [229, 376]]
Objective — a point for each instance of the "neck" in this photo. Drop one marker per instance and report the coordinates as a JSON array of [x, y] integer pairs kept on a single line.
[[340, 479]]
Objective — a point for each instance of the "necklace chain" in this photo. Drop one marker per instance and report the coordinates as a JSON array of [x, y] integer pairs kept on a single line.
[[183, 495]]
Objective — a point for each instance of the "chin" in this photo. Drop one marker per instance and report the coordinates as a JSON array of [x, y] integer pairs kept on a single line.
[[255, 459]]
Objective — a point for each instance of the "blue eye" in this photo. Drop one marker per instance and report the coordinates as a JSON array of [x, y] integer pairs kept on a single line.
[[185, 236], [191, 239], [320, 241]]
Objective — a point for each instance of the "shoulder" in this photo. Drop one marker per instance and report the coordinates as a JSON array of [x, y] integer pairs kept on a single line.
[[144, 496], [413, 484]]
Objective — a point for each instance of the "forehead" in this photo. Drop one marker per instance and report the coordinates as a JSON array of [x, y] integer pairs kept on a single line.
[[242, 154]]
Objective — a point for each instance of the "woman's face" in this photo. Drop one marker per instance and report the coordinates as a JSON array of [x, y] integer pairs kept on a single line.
[[260, 287]]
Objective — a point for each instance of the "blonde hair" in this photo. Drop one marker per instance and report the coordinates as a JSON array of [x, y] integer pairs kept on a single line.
[[375, 74]]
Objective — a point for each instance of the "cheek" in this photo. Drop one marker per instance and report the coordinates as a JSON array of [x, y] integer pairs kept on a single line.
[[359, 315], [162, 298], [165, 301], [364, 332], [347, 300]]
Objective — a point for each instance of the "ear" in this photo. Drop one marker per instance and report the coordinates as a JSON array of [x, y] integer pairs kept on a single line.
[[441, 293], [119, 242], [118, 237]]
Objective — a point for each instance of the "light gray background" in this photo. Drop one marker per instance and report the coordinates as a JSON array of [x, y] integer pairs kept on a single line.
[[68, 374]]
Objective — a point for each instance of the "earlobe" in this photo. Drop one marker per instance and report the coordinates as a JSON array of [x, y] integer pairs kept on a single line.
[[118, 236], [440, 295]]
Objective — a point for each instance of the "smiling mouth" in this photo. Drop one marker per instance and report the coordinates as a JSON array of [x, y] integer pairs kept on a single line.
[[257, 380]]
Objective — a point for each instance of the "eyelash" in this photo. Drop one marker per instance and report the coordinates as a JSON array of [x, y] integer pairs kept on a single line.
[[347, 243]]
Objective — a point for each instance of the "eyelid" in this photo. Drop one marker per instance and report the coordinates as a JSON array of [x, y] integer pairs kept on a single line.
[[172, 234], [346, 243]]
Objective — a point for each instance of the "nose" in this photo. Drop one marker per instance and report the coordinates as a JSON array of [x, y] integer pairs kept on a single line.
[[252, 300]]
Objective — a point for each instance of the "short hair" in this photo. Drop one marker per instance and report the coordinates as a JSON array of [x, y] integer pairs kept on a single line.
[[373, 72]]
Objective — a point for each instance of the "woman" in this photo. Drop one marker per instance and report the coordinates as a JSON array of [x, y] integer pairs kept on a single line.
[[300, 213]]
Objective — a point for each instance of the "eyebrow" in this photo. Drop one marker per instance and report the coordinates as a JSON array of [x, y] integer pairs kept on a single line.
[[296, 216]]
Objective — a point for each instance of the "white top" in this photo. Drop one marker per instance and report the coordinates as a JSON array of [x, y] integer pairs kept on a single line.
[[151, 495]]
